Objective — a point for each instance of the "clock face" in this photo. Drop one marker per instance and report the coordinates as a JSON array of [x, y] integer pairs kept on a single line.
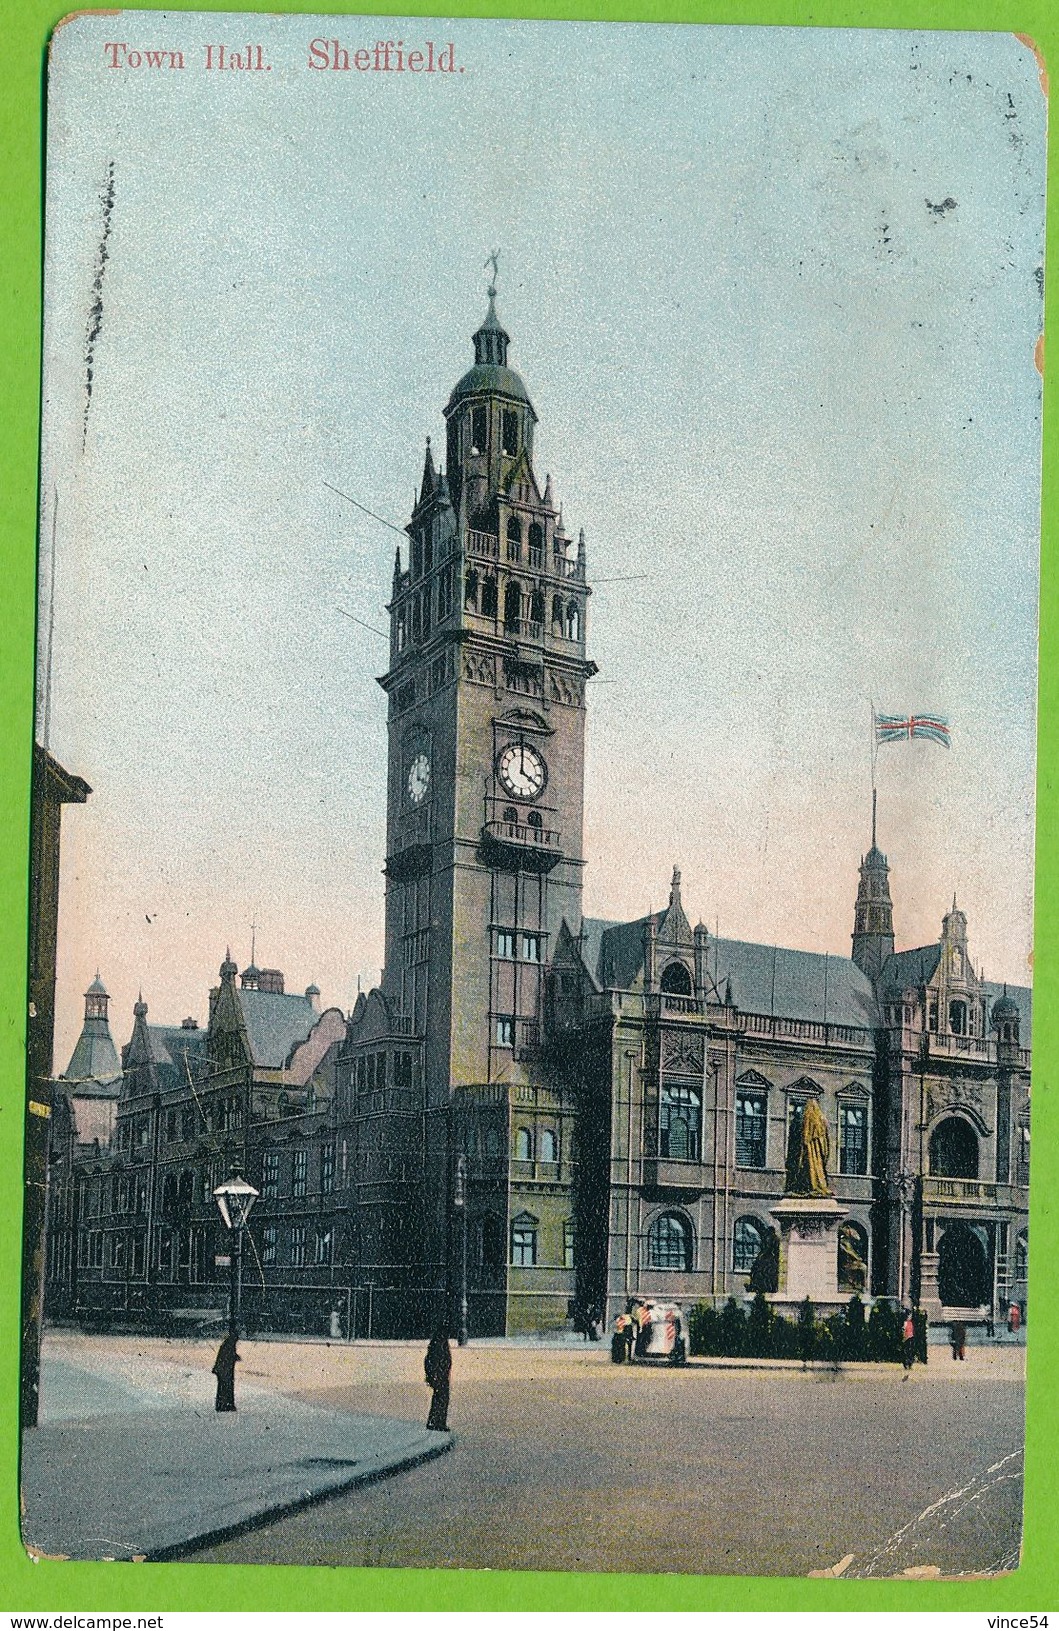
[[418, 778], [521, 770]]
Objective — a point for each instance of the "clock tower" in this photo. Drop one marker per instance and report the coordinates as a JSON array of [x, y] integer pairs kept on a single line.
[[486, 687]]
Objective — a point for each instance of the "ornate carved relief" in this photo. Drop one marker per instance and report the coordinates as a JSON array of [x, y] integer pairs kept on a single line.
[[955, 1094], [480, 667], [565, 688], [682, 1053]]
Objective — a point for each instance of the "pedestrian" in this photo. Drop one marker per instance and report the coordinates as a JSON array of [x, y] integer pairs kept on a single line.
[[437, 1367], [908, 1343], [958, 1334], [224, 1370], [1014, 1320]]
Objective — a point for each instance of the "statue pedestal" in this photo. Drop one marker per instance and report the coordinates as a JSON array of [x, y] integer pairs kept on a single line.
[[808, 1227]]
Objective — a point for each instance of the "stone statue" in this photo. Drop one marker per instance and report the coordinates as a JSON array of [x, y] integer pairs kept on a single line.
[[852, 1269], [765, 1269], [807, 1173]]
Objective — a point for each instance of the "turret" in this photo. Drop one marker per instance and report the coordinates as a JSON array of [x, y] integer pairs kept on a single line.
[[873, 915]]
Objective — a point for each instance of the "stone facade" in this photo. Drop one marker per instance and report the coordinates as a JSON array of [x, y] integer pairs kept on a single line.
[[539, 1114]]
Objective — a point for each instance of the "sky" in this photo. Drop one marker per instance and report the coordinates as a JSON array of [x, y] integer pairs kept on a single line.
[[775, 295]]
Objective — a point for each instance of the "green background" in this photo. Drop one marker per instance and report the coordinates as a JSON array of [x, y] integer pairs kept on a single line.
[[89, 1587]]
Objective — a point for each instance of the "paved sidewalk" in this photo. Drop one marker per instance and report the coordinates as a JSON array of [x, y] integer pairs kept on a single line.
[[136, 1464]]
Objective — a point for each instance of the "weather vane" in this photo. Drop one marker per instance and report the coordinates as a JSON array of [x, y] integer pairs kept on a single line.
[[493, 261]]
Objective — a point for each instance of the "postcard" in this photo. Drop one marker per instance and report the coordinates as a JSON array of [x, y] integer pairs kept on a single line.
[[531, 1025]]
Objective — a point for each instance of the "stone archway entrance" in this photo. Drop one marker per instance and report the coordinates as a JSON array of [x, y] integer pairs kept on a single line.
[[963, 1269]]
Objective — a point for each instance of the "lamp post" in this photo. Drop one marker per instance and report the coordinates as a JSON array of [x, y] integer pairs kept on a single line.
[[235, 1198], [459, 1201]]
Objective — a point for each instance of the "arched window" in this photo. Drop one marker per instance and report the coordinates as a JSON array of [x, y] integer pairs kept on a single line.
[[514, 539], [676, 980], [557, 614], [573, 621], [512, 608], [511, 816], [679, 1122], [478, 428], [669, 1242], [954, 1149], [535, 819], [852, 1257], [523, 1144], [958, 1018], [549, 1146], [747, 1241], [536, 607], [470, 591], [402, 629], [489, 596], [536, 542], [509, 431], [493, 1141], [1022, 1247]]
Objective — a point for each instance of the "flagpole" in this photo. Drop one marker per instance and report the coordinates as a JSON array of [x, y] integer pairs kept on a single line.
[[873, 755]]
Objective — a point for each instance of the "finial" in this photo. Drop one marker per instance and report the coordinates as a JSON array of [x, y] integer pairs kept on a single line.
[[873, 799], [674, 890], [493, 261]]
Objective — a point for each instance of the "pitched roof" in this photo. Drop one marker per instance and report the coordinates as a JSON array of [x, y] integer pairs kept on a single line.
[[95, 1058], [765, 979], [794, 984], [275, 1024], [915, 967]]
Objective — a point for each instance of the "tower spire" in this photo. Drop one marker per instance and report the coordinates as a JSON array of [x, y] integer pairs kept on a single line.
[[873, 914]]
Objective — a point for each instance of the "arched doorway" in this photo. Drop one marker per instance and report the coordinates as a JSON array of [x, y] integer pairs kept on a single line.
[[963, 1269], [954, 1149]]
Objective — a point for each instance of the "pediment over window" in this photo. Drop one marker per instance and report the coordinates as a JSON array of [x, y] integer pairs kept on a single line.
[[753, 1078], [524, 1220], [805, 1088], [524, 719], [854, 1090]]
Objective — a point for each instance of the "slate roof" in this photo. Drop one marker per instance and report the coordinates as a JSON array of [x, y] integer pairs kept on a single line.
[[95, 1058], [794, 984], [765, 979], [911, 968], [275, 1024]]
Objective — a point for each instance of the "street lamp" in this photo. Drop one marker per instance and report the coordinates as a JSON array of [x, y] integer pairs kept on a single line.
[[459, 1201], [235, 1198]]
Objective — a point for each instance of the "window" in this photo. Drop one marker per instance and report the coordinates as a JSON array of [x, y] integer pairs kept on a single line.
[[679, 1121], [573, 621], [677, 980], [747, 1241], [1023, 1151], [117, 1251], [478, 428], [509, 432], [470, 591], [270, 1173], [531, 943], [557, 614], [505, 1033], [958, 1018], [514, 540], [493, 1141], [536, 821], [751, 1126], [536, 614], [669, 1242], [549, 1147], [853, 1140], [568, 1244], [327, 1167], [512, 608], [299, 1173], [953, 1149], [297, 1246], [505, 938], [1021, 1256], [489, 600], [524, 1241], [187, 1124], [536, 543], [170, 1125], [325, 1240], [523, 1144]]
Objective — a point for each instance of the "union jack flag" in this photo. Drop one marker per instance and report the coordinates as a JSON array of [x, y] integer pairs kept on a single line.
[[903, 727]]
